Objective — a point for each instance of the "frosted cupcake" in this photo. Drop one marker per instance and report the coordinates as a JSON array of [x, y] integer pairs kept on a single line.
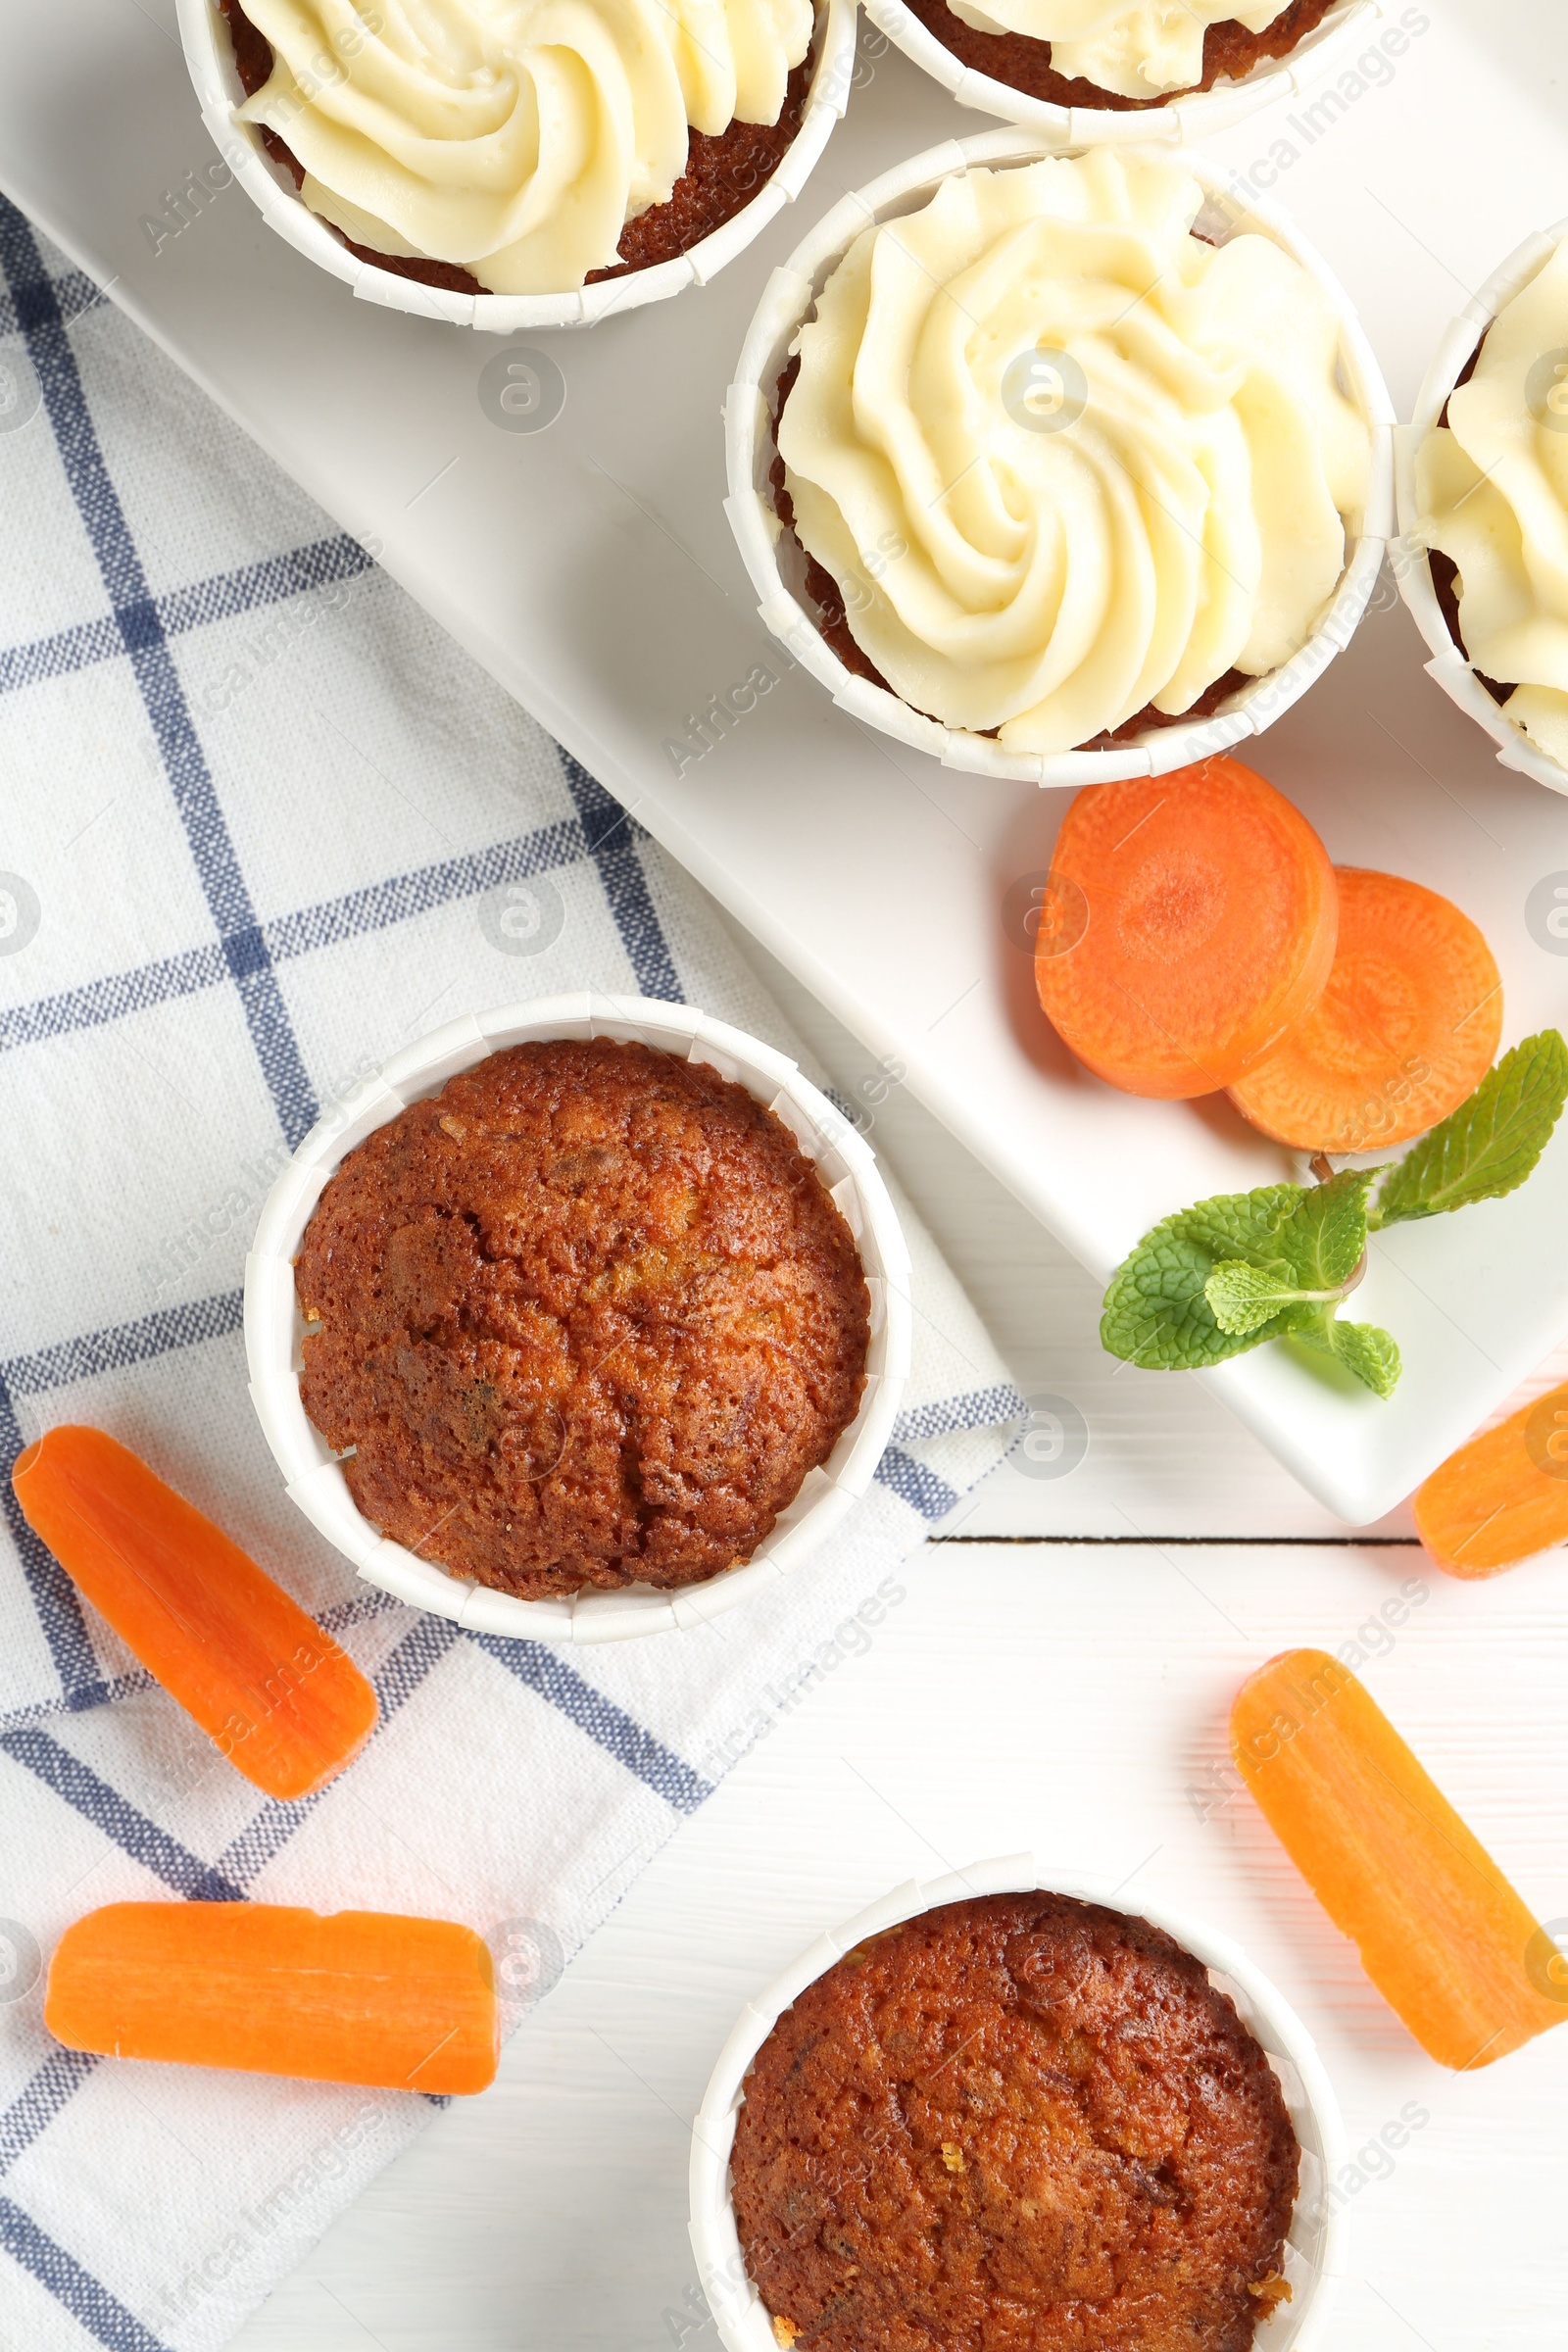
[[1063, 472], [1490, 488], [533, 149], [1082, 71], [1118, 54]]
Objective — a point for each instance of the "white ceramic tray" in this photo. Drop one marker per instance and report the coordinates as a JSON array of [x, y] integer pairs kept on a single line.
[[879, 876]]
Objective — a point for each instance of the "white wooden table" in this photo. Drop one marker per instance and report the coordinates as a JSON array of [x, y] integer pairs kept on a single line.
[[1057, 1678]]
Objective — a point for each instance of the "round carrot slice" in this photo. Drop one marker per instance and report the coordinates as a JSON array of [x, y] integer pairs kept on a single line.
[[1190, 921], [1406, 1028]]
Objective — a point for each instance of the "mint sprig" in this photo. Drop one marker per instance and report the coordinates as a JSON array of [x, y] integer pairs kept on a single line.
[[1232, 1272]]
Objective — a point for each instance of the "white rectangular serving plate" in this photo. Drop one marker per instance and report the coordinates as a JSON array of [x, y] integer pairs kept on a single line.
[[590, 569]]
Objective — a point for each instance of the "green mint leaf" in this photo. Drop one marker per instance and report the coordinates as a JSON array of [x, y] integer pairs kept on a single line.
[[1242, 1225], [1488, 1145], [1373, 1355], [1156, 1312], [1324, 1241], [1312, 1255], [1156, 1315], [1313, 1330], [1243, 1298], [1370, 1353]]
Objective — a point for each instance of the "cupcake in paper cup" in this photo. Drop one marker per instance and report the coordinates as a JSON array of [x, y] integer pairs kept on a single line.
[[1061, 468], [933, 2128], [1078, 71], [581, 1319], [507, 167], [1482, 560]]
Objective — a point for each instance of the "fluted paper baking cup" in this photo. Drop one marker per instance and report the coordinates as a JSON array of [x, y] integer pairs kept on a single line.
[[1449, 663], [1315, 2244], [785, 608], [1189, 115], [210, 55], [274, 1326]]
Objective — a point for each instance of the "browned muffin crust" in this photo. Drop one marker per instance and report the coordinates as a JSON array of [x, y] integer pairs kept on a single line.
[[1022, 2123], [1445, 583], [588, 1317], [1445, 572], [1229, 52], [833, 619], [723, 173]]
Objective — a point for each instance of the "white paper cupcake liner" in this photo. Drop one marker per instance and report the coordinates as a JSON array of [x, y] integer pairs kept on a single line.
[[209, 53], [1449, 665], [787, 300], [1316, 2242], [274, 1326], [1197, 114]]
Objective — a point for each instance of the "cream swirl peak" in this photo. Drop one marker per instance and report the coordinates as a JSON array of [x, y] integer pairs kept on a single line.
[[514, 139], [1135, 48], [1099, 462], [1492, 492]]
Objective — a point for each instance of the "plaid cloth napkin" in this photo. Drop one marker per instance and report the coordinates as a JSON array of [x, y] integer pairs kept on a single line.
[[261, 825]]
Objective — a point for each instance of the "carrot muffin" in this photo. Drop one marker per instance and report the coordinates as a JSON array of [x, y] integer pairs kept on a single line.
[[493, 148], [1022, 2123], [587, 1317], [1120, 54], [1492, 496], [1063, 467]]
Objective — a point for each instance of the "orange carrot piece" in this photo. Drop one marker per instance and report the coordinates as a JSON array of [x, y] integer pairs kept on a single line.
[[1405, 1032], [1503, 1496], [352, 1996], [1441, 1933], [280, 1698], [1190, 923]]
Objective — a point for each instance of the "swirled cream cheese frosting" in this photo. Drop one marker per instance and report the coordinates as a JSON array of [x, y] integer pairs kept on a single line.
[[514, 138], [1066, 460], [1491, 494], [1141, 50]]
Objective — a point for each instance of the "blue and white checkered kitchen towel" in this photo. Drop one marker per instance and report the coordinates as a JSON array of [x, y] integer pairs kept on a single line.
[[261, 824]]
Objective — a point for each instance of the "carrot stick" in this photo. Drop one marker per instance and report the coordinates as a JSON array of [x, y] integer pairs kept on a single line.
[[355, 1996], [1503, 1496], [1441, 1933], [1405, 1032], [280, 1698], [1190, 922]]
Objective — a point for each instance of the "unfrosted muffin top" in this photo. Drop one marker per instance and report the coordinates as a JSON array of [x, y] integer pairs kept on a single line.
[[1020, 2123], [587, 1316]]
